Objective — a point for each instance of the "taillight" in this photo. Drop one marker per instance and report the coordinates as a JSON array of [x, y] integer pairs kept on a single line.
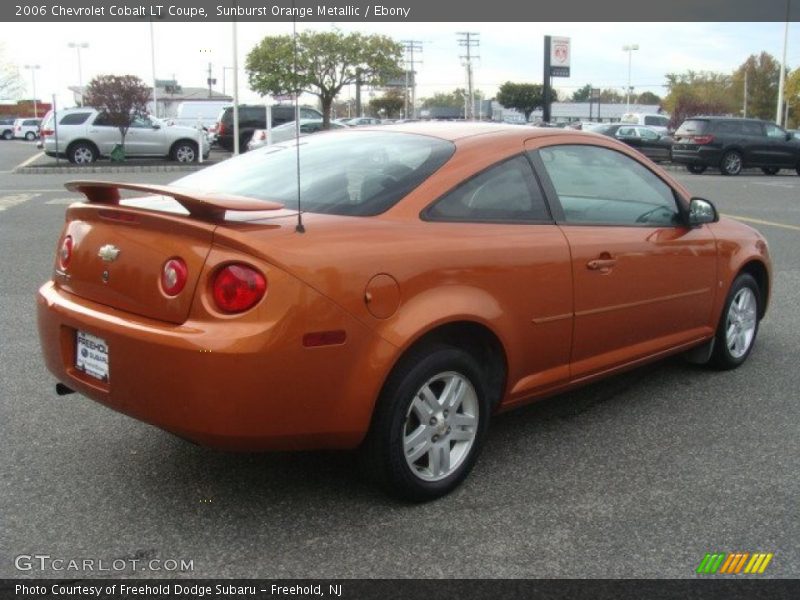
[[65, 253], [703, 139], [173, 276], [46, 132], [263, 135], [220, 128], [238, 287]]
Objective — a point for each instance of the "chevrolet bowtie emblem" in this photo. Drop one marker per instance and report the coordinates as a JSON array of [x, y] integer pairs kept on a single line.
[[108, 253]]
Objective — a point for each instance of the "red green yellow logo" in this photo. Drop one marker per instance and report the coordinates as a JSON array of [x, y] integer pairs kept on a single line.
[[734, 563]]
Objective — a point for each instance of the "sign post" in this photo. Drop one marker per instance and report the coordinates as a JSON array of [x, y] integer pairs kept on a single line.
[[557, 55]]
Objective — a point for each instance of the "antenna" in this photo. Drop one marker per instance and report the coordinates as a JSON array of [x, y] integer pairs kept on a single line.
[[299, 228]]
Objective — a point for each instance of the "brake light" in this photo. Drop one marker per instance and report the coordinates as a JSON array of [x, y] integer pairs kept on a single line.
[[46, 132], [174, 276], [238, 288], [220, 129], [703, 139], [65, 253]]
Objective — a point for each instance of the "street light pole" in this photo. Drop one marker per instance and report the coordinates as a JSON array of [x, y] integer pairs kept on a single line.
[[78, 46], [779, 111], [629, 48], [33, 77]]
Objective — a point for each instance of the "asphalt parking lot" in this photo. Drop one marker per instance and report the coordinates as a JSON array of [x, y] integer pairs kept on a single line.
[[638, 476]]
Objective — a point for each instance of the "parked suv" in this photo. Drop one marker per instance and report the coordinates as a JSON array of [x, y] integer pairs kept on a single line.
[[252, 117], [732, 144], [26, 129], [7, 128], [85, 134]]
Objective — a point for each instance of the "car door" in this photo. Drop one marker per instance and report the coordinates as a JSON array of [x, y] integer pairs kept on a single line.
[[147, 138], [780, 151], [520, 259], [652, 145], [104, 135], [643, 281]]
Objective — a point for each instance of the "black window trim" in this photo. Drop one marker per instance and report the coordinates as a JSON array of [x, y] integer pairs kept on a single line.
[[555, 203], [425, 215]]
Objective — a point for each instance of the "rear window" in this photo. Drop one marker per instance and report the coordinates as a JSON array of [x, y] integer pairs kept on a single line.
[[656, 120], [693, 127], [342, 173], [74, 118]]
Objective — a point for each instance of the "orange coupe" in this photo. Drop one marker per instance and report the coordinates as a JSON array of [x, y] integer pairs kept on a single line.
[[428, 276]]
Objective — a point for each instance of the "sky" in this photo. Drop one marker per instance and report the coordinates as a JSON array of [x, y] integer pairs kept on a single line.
[[508, 52]]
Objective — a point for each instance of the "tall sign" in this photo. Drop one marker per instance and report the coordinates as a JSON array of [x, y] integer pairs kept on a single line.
[[559, 57]]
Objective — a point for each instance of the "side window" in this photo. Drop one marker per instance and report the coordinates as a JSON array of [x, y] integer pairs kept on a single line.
[[728, 127], [307, 113], [74, 118], [101, 120], [626, 132], [751, 128], [600, 186], [506, 192], [773, 131], [648, 134], [656, 120]]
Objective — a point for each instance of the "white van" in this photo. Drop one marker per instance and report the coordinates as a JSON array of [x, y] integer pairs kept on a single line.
[[204, 111], [659, 123]]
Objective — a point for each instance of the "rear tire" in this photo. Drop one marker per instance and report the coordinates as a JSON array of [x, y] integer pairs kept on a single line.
[[429, 424], [82, 153], [8, 134], [731, 163], [30, 136], [738, 324], [696, 169]]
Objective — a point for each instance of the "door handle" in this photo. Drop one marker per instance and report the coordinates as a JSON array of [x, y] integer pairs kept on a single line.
[[603, 265]]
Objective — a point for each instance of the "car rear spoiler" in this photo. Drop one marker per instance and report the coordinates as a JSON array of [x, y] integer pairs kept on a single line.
[[208, 206]]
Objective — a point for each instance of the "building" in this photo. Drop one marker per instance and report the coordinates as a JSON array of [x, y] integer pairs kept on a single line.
[[169, 97]]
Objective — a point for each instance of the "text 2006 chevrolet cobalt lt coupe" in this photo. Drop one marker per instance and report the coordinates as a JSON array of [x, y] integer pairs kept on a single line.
[[440, 273]]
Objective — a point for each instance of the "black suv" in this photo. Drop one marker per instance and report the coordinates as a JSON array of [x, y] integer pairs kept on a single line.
[[732, 144], [253, 117]]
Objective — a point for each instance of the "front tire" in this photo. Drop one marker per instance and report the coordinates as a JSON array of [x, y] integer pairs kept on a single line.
[[429, 424], [738, 324], [731, 163], [8, 134], [184, 152], [30, 136]]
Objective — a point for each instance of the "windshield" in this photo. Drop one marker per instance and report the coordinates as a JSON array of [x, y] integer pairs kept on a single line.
[[359, 173]]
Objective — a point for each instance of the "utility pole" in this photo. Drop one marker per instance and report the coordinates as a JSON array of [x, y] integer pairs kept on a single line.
[[411, 46], [779, 110], [469, 40], [744, 110], [211, 81]]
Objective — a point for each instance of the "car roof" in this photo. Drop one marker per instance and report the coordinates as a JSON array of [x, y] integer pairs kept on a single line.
[[454, 131]]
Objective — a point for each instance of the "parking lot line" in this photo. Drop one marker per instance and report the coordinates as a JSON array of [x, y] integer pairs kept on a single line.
[[25, 163], [763, 222]]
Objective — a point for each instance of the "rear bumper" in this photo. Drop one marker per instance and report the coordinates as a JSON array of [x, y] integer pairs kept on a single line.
[[709, 157], [247, 385]]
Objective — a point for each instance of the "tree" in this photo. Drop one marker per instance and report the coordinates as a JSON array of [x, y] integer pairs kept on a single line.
[[391, 103], [698, 92], [326, 62], [121, 97], [10, 81], [583, 94], [524, 97], [792, 97], [648, 98], [763, 74], [611, 96]]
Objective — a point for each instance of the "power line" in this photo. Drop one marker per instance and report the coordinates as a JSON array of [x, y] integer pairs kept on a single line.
[[469, 40]]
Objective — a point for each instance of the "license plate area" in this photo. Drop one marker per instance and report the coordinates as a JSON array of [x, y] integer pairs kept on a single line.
[[91, 355]]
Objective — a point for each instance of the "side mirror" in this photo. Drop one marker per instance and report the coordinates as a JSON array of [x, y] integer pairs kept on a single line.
[[702, 211], [156, 126]]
